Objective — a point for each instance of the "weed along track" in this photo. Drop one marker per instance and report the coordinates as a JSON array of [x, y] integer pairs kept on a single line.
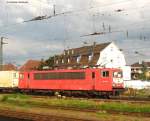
[[113, 99], [69, 109]]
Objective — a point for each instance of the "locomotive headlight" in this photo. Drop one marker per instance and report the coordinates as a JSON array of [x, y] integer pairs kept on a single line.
[[113, 84], [115, 80]]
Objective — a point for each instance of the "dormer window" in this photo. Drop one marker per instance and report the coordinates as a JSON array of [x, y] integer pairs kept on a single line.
[[72, 51], [56, 61], [90, 57], [78, 59], [62, 60], [68, 60]]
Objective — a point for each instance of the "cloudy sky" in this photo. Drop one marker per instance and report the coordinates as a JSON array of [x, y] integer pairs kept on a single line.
[[126, 22]]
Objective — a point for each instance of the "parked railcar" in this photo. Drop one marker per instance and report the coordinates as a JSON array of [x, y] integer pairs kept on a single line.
[[9, 79], [98, 79]]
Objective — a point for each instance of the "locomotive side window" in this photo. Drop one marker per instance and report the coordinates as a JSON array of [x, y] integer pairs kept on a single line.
[[117, 74], [37, 76], [28, 76], [21, 76], [59, 75], [105, 73], [93, 75]]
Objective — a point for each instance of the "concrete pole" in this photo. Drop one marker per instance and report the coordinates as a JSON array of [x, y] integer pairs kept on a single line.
[[1, 52]]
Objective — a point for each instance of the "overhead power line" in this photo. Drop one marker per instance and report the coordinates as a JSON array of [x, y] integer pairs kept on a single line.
[[72, 11], [39, 18]]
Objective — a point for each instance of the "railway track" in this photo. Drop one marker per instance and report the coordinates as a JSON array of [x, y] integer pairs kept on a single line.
[[24, 115], [20, 115], [42, 117], [112, 99], [126, 99]]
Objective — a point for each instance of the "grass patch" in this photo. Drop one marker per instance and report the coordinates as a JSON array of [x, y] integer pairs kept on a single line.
[[16, 96], [141, 93], [83, 104], [27, 101], [126, 107]]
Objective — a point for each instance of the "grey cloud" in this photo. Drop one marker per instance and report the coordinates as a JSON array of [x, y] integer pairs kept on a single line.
[[45, 38]]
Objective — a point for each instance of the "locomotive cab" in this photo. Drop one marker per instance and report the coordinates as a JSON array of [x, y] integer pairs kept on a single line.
[[24, 80], [117, 79]]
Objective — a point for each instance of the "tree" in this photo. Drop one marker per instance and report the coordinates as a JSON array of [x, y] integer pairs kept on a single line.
[[49, 63], [144, 70]]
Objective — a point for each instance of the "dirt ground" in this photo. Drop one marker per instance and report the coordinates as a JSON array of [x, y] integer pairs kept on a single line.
[[51, 114]]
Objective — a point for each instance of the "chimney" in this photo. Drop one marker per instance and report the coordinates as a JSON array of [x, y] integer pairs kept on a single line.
[[140, 62], [94, 44]]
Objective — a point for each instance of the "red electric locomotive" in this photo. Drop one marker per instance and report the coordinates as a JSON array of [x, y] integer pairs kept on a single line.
[[98, 80]]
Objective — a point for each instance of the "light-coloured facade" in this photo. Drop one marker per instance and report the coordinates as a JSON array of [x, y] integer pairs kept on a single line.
[[9, 79], [112, 57], [137, 70]]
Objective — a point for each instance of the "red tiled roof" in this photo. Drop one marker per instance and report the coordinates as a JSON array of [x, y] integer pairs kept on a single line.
[[30, 65], [84, 52], [9, 67]]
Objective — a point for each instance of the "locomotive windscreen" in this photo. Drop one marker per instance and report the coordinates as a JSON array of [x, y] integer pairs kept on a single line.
[[59, 75]]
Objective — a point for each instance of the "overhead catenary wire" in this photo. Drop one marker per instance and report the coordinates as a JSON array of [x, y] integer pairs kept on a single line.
[[65, 33], [111, 30], [36, 18], [42, 17]]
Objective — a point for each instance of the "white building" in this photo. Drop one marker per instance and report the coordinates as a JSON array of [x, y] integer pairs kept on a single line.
[[112, 57], [106, 55]]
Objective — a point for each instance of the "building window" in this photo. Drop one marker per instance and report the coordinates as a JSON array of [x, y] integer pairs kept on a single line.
[[68, 60], [72, 51], [56, 61], [68, 52], [62, 60], [111, 49], [78, 59], [90, 57]]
